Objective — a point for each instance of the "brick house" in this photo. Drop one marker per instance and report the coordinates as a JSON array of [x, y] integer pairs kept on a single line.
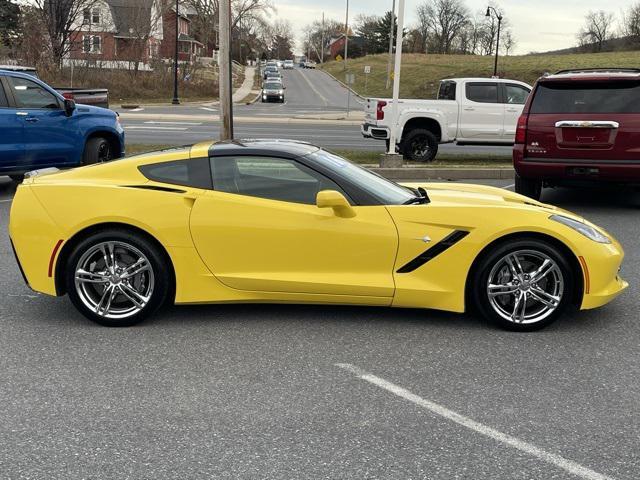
[[336, 45], [117, 33]]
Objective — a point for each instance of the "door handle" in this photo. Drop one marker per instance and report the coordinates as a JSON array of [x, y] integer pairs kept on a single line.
[[512, 109], [31, 119], [469, 109]]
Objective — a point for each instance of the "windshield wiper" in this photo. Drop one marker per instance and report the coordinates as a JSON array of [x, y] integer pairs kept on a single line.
[[421, 197]]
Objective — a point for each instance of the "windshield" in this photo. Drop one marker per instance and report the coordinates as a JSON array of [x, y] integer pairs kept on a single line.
[[386, 191], [272, 86]]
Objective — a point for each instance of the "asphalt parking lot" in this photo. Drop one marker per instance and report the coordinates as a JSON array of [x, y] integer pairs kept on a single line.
[[250, 391]]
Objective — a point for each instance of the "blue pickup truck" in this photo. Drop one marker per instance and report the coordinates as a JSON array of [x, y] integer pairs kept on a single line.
[[39, 128]]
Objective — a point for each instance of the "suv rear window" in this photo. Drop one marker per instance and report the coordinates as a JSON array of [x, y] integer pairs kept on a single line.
[[587, 97]]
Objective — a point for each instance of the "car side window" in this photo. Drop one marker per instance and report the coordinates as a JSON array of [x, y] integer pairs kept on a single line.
[[269, 177], [3, 97], [447, 91], [188, 173], [515, 94], [482, 92], [29, 94]]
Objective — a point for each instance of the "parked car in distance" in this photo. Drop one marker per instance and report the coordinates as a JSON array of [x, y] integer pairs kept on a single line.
[[579, 127], [40, 128], [309, 64], [98, 97], [467, 111], [269, 69], [272, 90], [288, 64]]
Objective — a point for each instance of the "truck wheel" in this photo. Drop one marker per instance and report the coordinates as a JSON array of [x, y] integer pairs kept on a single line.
[[97, 150], [528, 187], [419, 145]]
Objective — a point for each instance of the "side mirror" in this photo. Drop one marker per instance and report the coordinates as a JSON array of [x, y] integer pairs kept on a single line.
[[335, 200], [69, 107]]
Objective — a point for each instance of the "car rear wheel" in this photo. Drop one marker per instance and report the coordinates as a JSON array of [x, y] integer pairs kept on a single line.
[[97, 150], [523, 285], [528, 187], [419, 145], [117, 278]]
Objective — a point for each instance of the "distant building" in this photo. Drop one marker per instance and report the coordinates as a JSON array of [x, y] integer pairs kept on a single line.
[[336, 45]]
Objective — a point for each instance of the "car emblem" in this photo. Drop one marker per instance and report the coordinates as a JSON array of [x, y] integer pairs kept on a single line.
[[425, 239]]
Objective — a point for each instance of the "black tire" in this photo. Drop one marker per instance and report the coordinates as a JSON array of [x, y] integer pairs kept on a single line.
[[17, 178], [528, 187], [158, 279], [493, 259], [419, 145], [97, 150]]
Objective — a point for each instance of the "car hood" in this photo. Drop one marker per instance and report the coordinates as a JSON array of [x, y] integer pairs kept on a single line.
[[93, 110], [462, 194]]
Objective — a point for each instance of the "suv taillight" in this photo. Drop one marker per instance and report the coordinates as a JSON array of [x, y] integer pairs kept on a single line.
[[379, 111], [521, 129]]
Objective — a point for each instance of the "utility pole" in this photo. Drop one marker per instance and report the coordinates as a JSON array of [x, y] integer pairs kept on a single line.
[[322, 42], [396, 80], [176, 100], [346, 36], [393, 18], [224, 70], [499, 17]]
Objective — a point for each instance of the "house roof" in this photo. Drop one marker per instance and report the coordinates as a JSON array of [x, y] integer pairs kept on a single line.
[[131, 17]]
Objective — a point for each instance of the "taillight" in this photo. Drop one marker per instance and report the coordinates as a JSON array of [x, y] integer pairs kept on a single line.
[[521, 129], [379, 111], [68, 95]]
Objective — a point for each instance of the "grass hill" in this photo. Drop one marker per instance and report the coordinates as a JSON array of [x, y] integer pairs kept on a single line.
[[422, 73]]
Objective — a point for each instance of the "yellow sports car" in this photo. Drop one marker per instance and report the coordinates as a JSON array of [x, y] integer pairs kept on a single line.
[[285, 221]]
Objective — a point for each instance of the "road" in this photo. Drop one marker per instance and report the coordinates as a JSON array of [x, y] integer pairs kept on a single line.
[[248, 391], [308, 93]]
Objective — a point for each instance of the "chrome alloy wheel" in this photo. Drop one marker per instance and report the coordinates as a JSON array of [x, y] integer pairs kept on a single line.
[[525, 286], [114, 280]]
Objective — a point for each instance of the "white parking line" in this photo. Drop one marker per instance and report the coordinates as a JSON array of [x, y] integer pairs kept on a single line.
[[6, 200], [552, 458], [153, 122], [208, 109], [507, 187]]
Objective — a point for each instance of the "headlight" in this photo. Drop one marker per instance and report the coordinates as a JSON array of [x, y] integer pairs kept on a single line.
[[582, 228]]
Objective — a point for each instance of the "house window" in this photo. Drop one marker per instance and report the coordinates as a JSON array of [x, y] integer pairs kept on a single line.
[[91, 16], [91, 44]]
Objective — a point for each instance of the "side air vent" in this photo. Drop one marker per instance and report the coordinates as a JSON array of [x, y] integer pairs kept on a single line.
[[429, 254]]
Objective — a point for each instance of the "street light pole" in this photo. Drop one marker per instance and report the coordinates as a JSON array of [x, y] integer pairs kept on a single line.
[[346, 36], [322, 42], [176, 100], [499, 17], [393, 15]]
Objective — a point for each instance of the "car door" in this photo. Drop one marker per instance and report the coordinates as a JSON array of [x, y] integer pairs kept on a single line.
[[260, 230], [48, 136], [481, 115], [11, 134], [514, 97]]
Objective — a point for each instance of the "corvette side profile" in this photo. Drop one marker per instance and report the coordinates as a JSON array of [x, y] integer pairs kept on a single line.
[[278, 221]]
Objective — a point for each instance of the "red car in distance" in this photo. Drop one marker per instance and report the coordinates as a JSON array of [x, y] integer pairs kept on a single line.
[[579, 127]]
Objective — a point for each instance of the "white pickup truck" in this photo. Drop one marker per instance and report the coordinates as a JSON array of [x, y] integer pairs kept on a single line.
[[467, 111]]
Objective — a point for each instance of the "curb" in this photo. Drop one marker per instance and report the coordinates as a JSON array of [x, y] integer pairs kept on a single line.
[[445, 173], [215, 118]]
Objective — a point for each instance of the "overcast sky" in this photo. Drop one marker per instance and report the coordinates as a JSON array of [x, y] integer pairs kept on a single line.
[[538, 25]]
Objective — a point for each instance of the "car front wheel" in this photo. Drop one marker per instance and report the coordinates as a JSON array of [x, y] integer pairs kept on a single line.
[[523, 285], [117, 278], [97, 150]]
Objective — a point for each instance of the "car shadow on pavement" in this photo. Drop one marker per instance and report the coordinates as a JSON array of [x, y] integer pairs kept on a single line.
[[7, 187], [598, 196]]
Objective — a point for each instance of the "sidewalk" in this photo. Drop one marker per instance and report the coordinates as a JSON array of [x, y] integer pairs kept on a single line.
[[247, 85]]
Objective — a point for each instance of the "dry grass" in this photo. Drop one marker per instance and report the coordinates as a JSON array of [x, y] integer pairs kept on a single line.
[[422, 73]]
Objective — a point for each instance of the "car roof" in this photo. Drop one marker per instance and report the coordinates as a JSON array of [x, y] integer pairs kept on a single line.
[[483, 79], [263, 146], [594, 74]]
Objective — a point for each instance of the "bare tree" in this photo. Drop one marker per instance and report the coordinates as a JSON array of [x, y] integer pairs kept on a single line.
[[446, 19], [597, 30], [508, 42], [423, 25], [62, 19], [631, 23]]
